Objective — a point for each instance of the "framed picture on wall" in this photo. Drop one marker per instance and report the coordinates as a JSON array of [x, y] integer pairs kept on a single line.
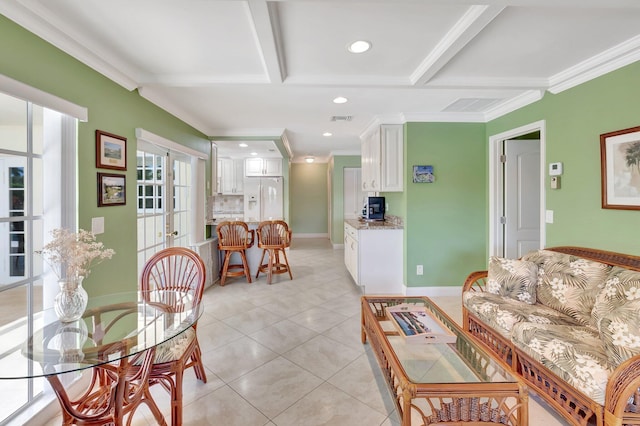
[[111, 190], [423, 174], [620, 174], [111, 151]]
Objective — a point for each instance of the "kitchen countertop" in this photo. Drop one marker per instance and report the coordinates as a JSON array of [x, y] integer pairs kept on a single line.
[[363, 225]]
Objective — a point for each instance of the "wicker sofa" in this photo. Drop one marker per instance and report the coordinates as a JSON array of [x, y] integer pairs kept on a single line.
[[567, 319]]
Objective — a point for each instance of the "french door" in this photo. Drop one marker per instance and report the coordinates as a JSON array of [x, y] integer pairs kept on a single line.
[[164, 200]]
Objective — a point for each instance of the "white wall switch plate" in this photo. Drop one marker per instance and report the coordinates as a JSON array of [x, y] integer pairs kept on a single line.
[[548, 217], [419, 270], [97, 225]]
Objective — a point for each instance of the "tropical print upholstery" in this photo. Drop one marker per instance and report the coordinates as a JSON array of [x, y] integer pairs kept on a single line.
[[620, 332], [622, 286], [568, 283], [574, 353], [501, 313], [513, 278]]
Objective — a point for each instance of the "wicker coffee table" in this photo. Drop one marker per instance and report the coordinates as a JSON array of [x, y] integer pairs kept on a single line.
[[441, 383]]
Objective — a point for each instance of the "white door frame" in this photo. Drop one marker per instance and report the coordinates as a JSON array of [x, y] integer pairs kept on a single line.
[[496, 200]]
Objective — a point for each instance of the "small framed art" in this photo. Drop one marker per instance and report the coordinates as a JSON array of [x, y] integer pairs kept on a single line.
[[620, 164], [423, 174], [111, 190], [111, 151]]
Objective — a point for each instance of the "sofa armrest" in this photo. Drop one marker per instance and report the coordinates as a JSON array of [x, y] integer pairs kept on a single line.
[[622, 400], [476, 281]]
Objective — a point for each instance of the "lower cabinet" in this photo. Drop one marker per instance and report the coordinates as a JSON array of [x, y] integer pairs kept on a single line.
[[374, 259]]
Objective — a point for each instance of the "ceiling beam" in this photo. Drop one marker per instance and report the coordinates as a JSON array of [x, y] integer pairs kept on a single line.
[[266, 30], [467, 27]]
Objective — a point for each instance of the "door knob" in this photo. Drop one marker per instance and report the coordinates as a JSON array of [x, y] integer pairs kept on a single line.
[[174, 233]]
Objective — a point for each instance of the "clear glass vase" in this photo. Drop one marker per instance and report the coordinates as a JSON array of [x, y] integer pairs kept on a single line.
[[72, 300]]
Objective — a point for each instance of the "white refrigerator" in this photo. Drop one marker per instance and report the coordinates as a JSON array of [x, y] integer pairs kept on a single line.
[[263, 199]]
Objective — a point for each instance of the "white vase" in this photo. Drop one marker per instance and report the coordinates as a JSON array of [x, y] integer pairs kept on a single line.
[[72, 300]]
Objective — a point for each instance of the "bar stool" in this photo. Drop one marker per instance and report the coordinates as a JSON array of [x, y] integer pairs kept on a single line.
[[234, 236], [274, 236]]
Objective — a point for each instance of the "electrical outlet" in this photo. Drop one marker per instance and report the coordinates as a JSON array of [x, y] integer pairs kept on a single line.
[[419, 270]]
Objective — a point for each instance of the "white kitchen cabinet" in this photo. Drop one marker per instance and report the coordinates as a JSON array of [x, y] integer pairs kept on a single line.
[[371, 162], [231, 174], [351, 251], [373, 257], [259, 167], [383, 160]]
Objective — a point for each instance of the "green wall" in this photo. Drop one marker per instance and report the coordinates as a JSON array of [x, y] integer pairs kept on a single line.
[[336, 172], [445, 221], [29, 59], [575, 119], [309, 195]]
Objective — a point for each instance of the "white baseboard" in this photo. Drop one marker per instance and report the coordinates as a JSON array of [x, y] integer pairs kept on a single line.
[[433, 291], [310, 236]]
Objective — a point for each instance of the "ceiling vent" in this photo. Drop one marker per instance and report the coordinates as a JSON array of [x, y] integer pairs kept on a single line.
[[472, 105], [341, 118]]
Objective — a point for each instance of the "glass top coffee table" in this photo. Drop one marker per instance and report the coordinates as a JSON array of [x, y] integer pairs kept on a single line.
[[441, 383]]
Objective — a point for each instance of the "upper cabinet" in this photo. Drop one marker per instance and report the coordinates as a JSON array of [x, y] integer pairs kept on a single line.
[[383, 160], [262, 167], [230, 176]]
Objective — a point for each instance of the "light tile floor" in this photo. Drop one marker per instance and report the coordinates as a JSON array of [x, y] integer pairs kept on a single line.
[[289, 353]]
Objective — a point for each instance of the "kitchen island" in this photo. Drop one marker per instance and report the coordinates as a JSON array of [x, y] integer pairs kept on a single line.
[[373, 255]]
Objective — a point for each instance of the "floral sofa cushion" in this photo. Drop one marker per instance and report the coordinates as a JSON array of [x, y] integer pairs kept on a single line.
[[569, 283], [574, 353], [501, 313], [620, 332], [622, 286], [513, 278]]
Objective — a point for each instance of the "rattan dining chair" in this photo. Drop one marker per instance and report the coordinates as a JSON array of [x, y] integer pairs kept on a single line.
[[115, 390], [178, 269], [274, 237], [234, 237]]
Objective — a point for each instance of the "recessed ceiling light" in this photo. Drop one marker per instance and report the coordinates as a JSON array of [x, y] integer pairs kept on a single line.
[[359, 46], [327, 134], [254, 153], [309, 159], [243, 145], [340, 100]]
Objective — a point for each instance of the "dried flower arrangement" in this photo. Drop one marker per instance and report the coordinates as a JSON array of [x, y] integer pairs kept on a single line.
[[72, 254]]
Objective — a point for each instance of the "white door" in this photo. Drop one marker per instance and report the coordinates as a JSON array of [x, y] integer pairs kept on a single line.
[[163, 201], [352, 193], [521, 197]]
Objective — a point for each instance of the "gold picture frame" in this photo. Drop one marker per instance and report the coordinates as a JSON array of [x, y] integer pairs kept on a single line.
[[620, 164]]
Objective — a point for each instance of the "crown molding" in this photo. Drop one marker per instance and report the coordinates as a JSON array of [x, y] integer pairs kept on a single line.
[[512, 104], [166, 104], [39, 22], [248, 132], [488, 83], [617, 57], [200, 80]]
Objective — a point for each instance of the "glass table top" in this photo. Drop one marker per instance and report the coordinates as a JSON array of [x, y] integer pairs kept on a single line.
[[113, 326], [438, 363]]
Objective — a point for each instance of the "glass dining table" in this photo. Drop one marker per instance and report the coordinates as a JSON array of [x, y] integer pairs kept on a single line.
[[120, 329]]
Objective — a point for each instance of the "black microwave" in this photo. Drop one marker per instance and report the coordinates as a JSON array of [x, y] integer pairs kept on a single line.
[[373, 208]]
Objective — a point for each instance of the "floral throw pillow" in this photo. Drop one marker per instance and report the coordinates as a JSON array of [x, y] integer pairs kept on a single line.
[[570, 284], [620, 332], [516, 279], [621, 286]]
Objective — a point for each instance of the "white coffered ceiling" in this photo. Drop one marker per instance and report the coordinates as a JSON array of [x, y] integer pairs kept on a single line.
[[270, 68]]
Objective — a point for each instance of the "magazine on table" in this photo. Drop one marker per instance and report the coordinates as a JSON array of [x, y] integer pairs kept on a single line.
[[417, 325]]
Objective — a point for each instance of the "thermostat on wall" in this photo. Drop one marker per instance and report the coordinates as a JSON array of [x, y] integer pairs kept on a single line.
[[555, 169]]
